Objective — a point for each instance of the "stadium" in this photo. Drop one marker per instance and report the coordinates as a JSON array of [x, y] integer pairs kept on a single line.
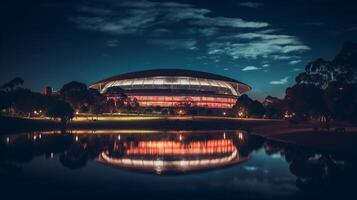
[[175, 88]]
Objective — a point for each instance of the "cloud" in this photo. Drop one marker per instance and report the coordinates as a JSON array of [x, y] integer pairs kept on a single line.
[[228, 22], [189, 44], [294, 62], [265, 65], [112, 43], [250, 68], [158, 22], [135, 21], [281, 81], [257, 44], [284, 57], [250, 4], [296, 69], [254, 49], [130, 17], [251, 168], [202, 31]]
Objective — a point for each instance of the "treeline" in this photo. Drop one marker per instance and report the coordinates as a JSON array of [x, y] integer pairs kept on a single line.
[[21, 102], [73, 97], [305, 101], [326, 90]]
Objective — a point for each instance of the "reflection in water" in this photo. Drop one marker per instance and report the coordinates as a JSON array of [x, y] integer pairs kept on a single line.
[[179, 152], [157, 152], [318, 172]]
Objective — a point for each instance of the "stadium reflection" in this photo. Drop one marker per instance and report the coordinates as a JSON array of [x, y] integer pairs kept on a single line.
[[178, 152], [150, 151]]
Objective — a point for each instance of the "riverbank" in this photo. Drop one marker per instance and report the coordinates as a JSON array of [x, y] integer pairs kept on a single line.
[[305, 135], [277, 130], [10, 125]]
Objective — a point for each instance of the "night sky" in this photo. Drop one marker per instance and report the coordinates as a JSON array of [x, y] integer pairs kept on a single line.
[[262, 43]]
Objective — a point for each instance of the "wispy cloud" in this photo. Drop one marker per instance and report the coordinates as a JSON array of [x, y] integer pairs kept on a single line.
[[228, 22], [296, 70], [130, 17], [294, 62], [251, 168], [250, 68], [285, 57], [189, 44], [257, 44], [134, 22], [281, 81], [255, 49], [250, 4], [265, 65], [228, 36]]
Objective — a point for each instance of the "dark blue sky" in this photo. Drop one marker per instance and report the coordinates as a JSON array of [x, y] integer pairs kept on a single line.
[[262, 43]]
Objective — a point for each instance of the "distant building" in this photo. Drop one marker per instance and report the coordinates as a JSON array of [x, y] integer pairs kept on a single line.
[[175, 88], [48, 91]]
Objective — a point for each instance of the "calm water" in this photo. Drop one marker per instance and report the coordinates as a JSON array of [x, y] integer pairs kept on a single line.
[[168, 165]]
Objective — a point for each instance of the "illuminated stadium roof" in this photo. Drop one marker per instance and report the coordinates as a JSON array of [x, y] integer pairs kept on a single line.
[[171, 87], [170, 73]]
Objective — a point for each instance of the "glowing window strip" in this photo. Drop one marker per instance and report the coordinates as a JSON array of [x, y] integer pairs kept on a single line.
[[175, 82]]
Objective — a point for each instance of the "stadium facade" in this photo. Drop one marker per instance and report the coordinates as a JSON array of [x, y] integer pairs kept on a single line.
[[175, 88]]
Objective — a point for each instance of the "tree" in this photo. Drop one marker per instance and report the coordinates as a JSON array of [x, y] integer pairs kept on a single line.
[[306, 100], [25, 102], [5, 101], [75, 157], [132, 104], [13, 84], [341, 100], [343, 68], [96, 102], [185, 106], [110, 106], [256, 109], [61, 109], [246, 107], [120, 99], [335, 82], [274, 107], [75, 93], [240, 108]]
